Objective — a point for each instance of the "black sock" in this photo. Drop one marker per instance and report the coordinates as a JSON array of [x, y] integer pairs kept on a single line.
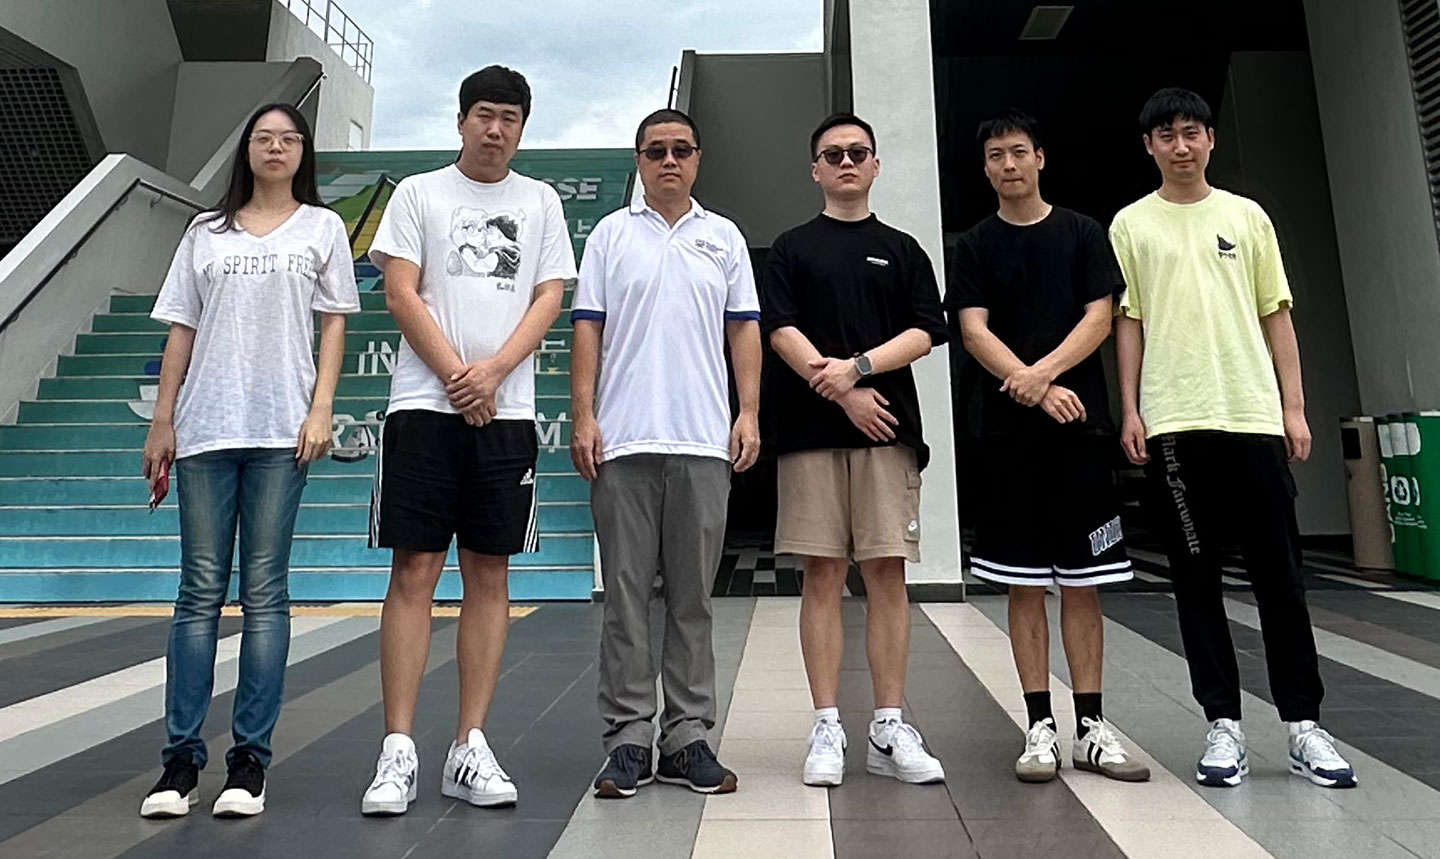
[[1037, 706], [1087, 705]]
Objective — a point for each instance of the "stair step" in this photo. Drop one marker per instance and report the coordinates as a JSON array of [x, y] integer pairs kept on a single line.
[[351, 385], [121, 412], [163, 552], [126, 462], [320, 489], [354, 519], [528, 583]]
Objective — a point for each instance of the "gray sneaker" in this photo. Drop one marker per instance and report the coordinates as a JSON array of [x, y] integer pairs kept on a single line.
[[1041, 761], [1100, 751]]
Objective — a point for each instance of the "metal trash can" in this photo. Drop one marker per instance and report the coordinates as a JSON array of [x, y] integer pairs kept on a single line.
[[1365, 492]]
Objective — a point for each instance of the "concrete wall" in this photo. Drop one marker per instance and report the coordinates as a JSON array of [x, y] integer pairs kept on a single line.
[[126, 54], [755, 115], [1269, 148], [1389, 253], [894, 89], [345, 96], [207, 98]]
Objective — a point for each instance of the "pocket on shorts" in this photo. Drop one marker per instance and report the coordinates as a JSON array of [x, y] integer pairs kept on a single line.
[[912, 504]]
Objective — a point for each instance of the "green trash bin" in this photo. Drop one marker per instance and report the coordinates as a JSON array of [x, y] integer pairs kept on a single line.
[[1425, 467], [1405, 511]]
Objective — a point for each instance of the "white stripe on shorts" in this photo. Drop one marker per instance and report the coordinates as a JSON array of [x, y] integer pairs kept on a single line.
[[532, 528], [375, 489]]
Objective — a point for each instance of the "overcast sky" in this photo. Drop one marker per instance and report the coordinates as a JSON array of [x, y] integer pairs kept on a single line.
[[596, 67]]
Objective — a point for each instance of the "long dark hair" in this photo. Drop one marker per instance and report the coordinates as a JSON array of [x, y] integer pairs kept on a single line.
[[242, 178]]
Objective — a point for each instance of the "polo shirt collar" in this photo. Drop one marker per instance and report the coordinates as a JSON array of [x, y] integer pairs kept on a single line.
[[638, 206]]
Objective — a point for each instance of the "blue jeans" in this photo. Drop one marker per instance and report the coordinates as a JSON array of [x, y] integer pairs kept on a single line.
[[258, 489]]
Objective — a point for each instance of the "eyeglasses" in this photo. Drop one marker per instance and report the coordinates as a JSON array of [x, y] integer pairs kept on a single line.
[[288, 140], [834, 157], [657, 151]]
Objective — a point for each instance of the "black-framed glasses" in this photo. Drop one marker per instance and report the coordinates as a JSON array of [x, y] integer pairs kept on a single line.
[[288, 139], [835, 155], [657, 151]]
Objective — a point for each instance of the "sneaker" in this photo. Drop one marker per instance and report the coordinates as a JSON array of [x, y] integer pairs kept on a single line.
[[1041, 760], [396, 773], [1313, 755], [896, 750], [626, 770], [473, 774], [697, 768], [1100, 751], [1224, 763], [825, 765], [244, 791], [176, 791]]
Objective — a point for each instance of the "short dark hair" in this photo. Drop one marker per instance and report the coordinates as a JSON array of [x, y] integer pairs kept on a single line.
[[1171, 104], [664, 115], [498, 85], [1008, 121], [835, 120]]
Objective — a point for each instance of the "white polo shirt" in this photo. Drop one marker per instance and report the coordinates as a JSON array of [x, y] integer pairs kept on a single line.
[[664, 294]]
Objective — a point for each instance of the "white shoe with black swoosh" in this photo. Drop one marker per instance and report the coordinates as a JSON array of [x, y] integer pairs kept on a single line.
[[897, 750]]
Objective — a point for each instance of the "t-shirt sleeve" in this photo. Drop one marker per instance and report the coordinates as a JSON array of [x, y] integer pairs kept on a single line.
[[1102, 274], [1272, 288], [589, 304], [777, 297], [966, 287], [335, 290], [1130, 297], [925, 310], [179, 300], [400, 234], [742, 304], [557, 252]]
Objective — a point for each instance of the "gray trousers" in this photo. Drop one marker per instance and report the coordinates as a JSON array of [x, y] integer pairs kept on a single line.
[[667, 512]]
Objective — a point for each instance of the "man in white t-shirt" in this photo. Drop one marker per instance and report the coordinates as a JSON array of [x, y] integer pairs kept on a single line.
[[665, 284], [475, 258]]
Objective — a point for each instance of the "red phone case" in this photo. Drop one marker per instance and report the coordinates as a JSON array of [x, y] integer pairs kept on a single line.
[[160, 486]]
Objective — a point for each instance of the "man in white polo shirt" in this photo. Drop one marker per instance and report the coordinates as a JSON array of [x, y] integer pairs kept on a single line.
[[663, 285]]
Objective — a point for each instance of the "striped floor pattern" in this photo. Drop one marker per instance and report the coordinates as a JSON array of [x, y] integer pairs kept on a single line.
[[81, 694]]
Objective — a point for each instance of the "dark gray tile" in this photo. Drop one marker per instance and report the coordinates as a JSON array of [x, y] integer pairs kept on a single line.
[[865, 839]]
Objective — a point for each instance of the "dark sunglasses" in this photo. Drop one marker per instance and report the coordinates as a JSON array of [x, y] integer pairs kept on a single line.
[[834, 157], [656, 151]]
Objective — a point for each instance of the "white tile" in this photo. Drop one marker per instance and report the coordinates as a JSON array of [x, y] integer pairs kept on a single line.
[[769, 724], [770, 796], [752, 839], [1182, 839]]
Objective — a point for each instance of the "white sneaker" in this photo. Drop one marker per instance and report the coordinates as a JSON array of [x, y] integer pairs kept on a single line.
[[1100, 751], [1224, 763], [393, 789], [473, 774], [1041, 760], [1313, 755], [896, 750], [825, 765]]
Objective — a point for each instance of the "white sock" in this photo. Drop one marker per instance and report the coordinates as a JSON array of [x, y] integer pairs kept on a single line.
[[886, 714], [828, 714], [1297, 727]]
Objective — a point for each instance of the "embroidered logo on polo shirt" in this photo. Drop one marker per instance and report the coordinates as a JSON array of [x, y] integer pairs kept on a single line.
[[878, 261], [709, 246], [1227, 247]]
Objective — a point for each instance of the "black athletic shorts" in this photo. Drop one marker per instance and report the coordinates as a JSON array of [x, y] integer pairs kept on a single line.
[[439, 478], [1049, 512]]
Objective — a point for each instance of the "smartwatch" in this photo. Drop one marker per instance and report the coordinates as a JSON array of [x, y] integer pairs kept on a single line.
[[862, 364]]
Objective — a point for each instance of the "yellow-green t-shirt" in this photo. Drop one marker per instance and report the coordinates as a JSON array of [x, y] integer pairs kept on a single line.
[[1200, 276]]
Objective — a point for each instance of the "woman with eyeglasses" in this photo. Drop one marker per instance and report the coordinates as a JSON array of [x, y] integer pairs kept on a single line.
[[240, 299]]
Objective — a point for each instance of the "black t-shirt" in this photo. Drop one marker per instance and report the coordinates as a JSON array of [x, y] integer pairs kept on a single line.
[[1036, 281], [848, 287]]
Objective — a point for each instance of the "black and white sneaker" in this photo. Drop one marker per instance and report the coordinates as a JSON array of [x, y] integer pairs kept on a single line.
[[244, 793], [626, 770], [696, 767], [176, 791]]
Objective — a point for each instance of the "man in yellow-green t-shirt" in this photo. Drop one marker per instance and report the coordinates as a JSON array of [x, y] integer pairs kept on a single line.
[[1214, 408]]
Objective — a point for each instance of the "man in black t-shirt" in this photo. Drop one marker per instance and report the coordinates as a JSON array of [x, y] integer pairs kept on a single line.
[[1032, 292], [849, 303]]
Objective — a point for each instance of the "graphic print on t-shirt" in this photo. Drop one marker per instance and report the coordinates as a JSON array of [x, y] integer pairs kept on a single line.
[[486, 245]]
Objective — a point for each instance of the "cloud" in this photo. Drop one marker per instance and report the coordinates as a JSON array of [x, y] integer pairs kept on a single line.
[[595, 68]]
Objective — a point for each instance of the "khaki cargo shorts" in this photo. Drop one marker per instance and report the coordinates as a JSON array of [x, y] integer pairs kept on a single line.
[[861, 503]]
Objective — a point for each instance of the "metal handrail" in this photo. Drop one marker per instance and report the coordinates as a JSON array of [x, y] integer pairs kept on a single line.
[[119, 200], [353, 45]]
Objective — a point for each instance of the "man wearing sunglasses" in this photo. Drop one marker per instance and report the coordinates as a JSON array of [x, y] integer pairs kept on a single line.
[[849, 303], [664, 285]]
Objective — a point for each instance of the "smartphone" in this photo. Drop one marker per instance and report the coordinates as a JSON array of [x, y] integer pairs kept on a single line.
[[160, 486]]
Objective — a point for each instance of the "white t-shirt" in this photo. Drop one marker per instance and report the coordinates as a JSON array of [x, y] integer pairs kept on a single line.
[[251, 301], [664, 294], [482, 249]]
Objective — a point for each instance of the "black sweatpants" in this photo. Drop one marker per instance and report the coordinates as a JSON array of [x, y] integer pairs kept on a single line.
[[1212, 490]]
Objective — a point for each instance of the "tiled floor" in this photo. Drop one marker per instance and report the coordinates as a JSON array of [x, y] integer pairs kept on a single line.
[[81, 694]]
